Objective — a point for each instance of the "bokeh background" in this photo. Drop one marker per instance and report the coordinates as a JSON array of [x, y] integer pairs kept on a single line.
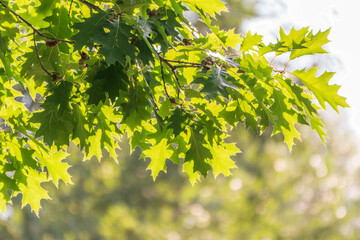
[[311, 193]]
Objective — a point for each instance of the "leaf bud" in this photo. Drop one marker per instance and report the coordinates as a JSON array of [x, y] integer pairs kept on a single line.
[[55, 77], [187, 42], [51, 43]]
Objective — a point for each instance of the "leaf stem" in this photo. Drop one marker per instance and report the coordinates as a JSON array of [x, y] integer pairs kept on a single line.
[[38, 57], [173, 69], [163, 79], [183, 62]]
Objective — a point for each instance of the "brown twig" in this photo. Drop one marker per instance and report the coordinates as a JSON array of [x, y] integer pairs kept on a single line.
[[37, 54], [281, 71], [272, 60], [91, 6], [183, 62], [70, 6], [163, 79], [173, 68], [33, 28], [186, 66], [286, 65]]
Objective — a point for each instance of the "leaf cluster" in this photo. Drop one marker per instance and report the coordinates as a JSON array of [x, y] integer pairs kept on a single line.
[[103, 69]]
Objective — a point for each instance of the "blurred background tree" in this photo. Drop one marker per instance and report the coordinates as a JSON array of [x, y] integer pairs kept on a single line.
[[310, 193], [239, 11]]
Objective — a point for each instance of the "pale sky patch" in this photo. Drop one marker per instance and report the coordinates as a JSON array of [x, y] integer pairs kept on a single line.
[[343, 17]]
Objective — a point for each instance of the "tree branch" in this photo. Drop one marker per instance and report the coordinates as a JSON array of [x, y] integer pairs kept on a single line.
[[183, 62], [55, 76], [33, 28], [173, 69]]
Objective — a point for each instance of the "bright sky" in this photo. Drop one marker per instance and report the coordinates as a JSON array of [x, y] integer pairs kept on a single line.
[[343, 17]]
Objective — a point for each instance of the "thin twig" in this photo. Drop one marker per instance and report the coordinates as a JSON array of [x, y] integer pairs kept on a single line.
[[148, 86], [163, 78], [272, 60], [37, 54], [70, 6], [33, 28], [173, 69], [187, 66], [281, 71], [168, 62], [178, 83], [91, 6], [286, 65], [183, 62]]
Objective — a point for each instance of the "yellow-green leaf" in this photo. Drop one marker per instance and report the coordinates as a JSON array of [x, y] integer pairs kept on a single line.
[[210, 6], [221, 161], [158, 154], [320, 87]]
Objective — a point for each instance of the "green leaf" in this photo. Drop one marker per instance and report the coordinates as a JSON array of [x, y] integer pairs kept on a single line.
[[295, 39], [320, 87], [128, 6], [198, 153], [47, 5], [210, 7], [215, 82], [135, 109], [188, 167], [60, 26], [144, 52], [107, 83], [286, 118], [220, 161], [6, 184], [94, 148], [50, 58], [158, 154], [178, 121], [89, 28], [115, 42], [29, 186], [312, 45], [79, 125], [54, 165], [56, 122], [250, 41], [103, 133]]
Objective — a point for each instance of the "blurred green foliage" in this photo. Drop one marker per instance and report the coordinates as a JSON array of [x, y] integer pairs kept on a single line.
[[239, 11], [272, 195]]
